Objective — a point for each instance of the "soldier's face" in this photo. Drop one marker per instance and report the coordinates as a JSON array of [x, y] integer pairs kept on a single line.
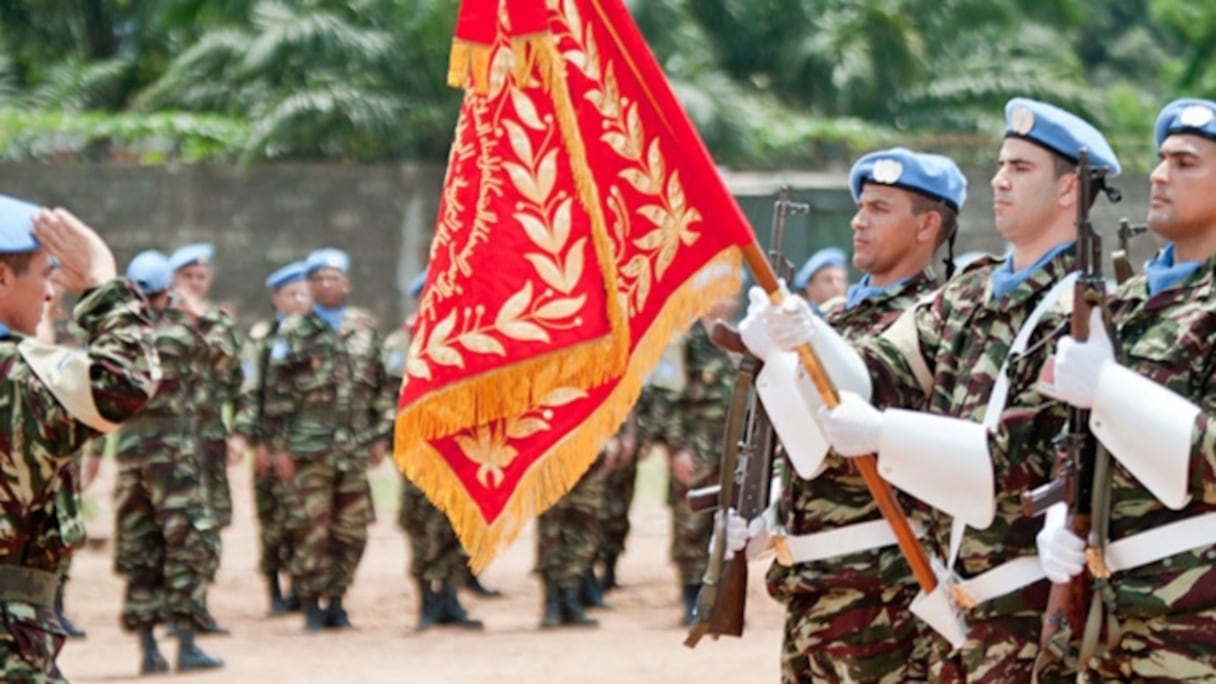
[[886, 230], [195, 278], [329, 286], [23, 296], [1183, 200], [292, 298], [828, 282], [1025, 191]]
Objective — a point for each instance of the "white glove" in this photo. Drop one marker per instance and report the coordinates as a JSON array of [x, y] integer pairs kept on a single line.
[[853, 427], [741, 534], [791, 324], [752, 328], [1061, 552], [1078, 365]]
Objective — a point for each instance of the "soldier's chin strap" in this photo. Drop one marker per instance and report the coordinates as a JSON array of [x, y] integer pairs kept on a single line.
[[949, 260]]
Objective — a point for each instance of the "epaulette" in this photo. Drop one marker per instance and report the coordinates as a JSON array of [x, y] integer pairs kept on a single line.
[[982, 261]]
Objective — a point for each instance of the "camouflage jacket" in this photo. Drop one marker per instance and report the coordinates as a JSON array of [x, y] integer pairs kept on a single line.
[[838, 496], [223, 380], [255, 357], [325, 388], [1170, 339], [167, 429], [43, 436], [943, 357], [702, 403]]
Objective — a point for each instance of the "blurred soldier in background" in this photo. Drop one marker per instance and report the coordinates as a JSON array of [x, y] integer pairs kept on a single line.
[[289, 296], [328, 410], [823, 277], [165, 537], [438, 563], [192, 274], [620, 475]]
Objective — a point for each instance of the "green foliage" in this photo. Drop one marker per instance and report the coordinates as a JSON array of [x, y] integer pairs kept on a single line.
[[768, 82]]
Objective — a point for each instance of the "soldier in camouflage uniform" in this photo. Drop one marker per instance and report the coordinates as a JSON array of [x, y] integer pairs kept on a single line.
[[327, 410], [191, 266], [56, 401], [847, 600], [289, 296], [945, 356], [620, 477], [692, 426], [438, 563], [1153, 407], [165, 537]]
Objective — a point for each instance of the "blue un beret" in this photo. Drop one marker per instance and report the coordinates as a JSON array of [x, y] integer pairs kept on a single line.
[[17, 226], [327, 258], [415, 288], [933, 175], [1188, 115], [828, 256], [289, 273], [1061, 132], [197, 253], [150, 272]]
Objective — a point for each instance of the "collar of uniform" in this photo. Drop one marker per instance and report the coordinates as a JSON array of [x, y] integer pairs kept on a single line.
[[1196, 286], [1054, 269], [915, 284]]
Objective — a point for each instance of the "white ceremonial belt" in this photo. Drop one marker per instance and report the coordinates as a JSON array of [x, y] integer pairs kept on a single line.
[[842, 541], [1001, 580], [1161, 542]]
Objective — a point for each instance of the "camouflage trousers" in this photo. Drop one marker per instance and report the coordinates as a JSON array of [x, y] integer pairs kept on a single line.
[[690, 535], [165, 544], [1169, 648], [29, 643], [614, 508], [328, 525], [998, 649], [568, 534], [435, 551], [852, 635], [272, 501], [213, 461]]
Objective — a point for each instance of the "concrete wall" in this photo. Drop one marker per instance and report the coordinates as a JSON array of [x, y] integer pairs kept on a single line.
[[264, 216]]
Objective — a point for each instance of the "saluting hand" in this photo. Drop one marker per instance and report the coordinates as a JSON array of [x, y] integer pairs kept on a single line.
[[85, 261]]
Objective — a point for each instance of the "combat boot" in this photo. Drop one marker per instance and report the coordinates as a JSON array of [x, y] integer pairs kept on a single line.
[[589, 591], [452, 613], [190, 656], [69, 627], [552, 616], [572, 610], [608, 580], [431, 610], [690, 592], [292, 602], [474, 585], [314, 617], [277, 605], [152, 662], [335, 614]]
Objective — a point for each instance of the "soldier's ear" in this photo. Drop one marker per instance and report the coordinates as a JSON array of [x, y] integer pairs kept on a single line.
[[928, 225]]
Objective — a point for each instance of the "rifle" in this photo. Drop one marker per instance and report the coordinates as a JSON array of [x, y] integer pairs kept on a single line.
[[1122, 263], [1077, 451], [746, 470]]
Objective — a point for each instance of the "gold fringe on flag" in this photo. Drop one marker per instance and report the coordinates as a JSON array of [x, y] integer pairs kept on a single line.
[[558, 470], [469, 58]]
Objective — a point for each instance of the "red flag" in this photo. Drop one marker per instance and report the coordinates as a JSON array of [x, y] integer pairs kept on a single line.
[[582, 224]]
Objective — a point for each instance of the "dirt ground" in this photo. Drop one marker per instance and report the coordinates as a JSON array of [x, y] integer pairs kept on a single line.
[[638, 640]]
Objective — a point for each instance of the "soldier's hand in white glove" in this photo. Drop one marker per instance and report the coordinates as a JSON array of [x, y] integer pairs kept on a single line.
[[1078, 365], [752, 328], [790, 324], [1061, 553], [742, 534], [853, 427]]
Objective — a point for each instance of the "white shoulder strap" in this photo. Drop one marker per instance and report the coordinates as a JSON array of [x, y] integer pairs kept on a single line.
[[65, 372]]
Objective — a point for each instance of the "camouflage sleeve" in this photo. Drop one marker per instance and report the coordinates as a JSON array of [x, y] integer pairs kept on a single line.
[[224, 345], [247, 408], [901, 359], [122, 349], [384, 400]]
